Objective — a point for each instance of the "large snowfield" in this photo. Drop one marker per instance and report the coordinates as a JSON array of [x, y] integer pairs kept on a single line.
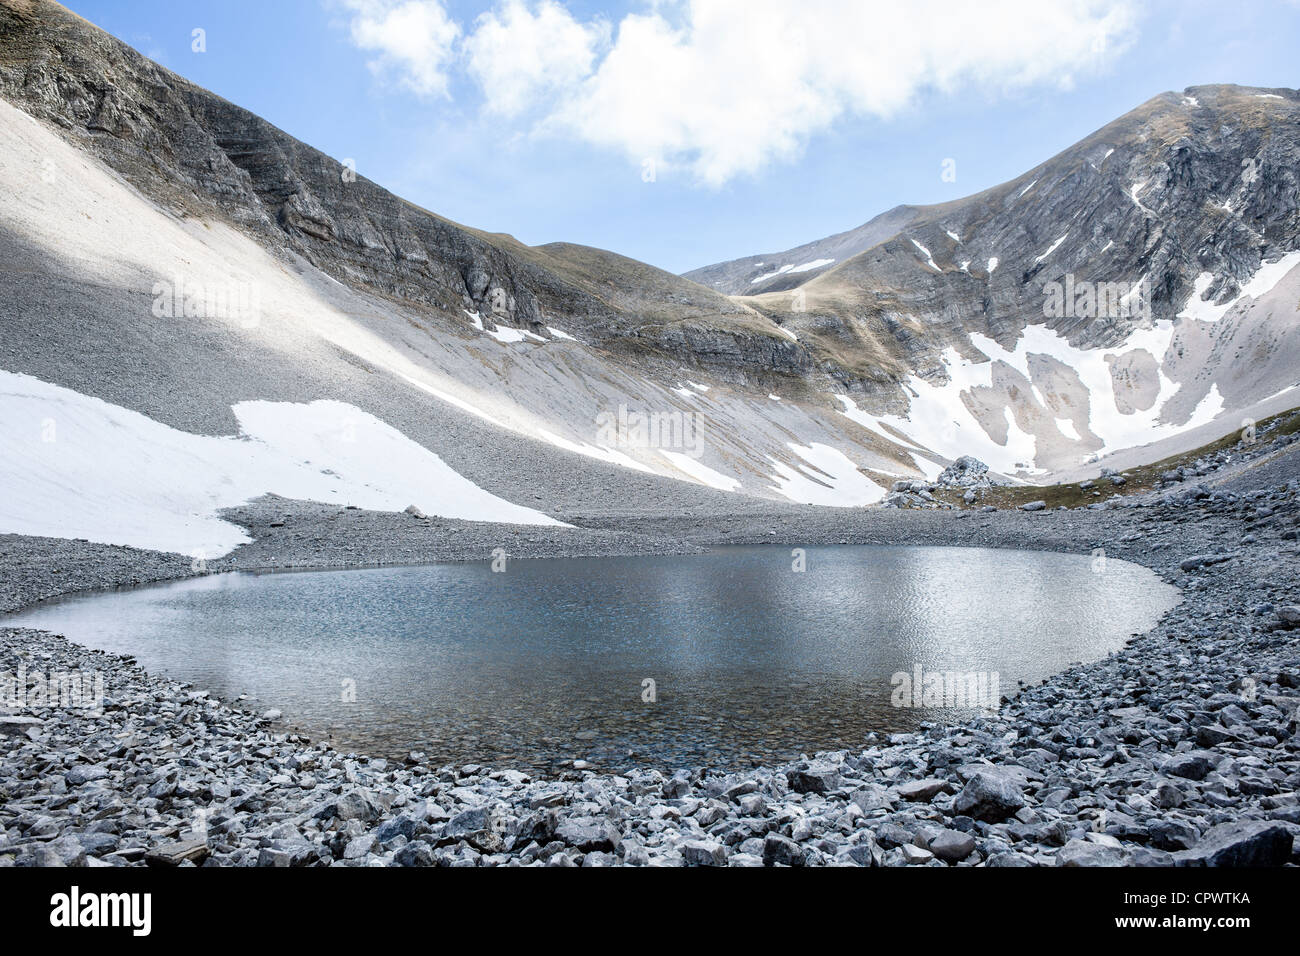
[[72, 466]]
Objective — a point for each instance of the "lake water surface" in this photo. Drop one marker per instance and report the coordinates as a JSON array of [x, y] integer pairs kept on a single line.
[[548, 661]]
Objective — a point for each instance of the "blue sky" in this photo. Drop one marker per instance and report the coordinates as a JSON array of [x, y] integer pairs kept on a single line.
[[765, 124]]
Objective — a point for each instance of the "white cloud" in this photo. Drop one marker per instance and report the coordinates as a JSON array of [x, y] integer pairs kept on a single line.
[[727, 87], [737, 84], [415, 40], [518, 54]]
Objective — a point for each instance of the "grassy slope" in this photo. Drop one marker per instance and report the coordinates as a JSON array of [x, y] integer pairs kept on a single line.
[[1138, 479]]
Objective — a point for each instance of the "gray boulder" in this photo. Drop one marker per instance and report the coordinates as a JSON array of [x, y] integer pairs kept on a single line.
[[990, 797], [952, 845], [418, 853], [922, 789], [1085, 853], [814, 778], [589, 835], [782, 851], [965, 472], [704, 853], [1248, 843], [1192, 765], [481, 827]]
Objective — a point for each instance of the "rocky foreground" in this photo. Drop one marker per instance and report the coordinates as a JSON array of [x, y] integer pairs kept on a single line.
[[1182, 749]]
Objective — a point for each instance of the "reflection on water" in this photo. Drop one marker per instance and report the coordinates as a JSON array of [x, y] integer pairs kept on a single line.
[[547, 661]]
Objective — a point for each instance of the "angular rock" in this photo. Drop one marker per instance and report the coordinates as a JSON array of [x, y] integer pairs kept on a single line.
[[174, 854], [989, 797], [84, 773], [923, 789], [1247, 843], [588, 835], [782, 851], [1190, 766], [1088, 853], [817, 778], [703, 853], [952, 845], [417, 853], [483, 828]]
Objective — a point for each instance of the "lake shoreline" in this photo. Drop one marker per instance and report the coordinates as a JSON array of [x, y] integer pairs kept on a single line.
[[741, 656], [1164, 753]]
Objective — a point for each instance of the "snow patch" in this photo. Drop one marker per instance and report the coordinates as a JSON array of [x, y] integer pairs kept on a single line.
[[73, 466], [1066, 428], [700, 471], [598, 452], [1052, 248], [1265, 278], [1133, 195], [1115, 429], [833, 479], [815, 264], [505, 334], [929, 259], [939, 421], [772, 275]]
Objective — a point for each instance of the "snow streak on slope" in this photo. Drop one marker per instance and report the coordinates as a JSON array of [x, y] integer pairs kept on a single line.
[[829, 478], [1262, 282], [805, 267], [1052, 248], [701, 472], [598, 452], [929, 259], [72, 466]]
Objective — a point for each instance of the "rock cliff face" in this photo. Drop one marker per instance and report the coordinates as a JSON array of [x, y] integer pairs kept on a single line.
[[1136, 285]]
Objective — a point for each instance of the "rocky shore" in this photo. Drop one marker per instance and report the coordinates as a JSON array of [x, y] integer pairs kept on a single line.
[[1181, 749]]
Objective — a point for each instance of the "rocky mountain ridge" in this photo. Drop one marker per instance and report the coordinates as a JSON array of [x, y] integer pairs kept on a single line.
[[205, 156]]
